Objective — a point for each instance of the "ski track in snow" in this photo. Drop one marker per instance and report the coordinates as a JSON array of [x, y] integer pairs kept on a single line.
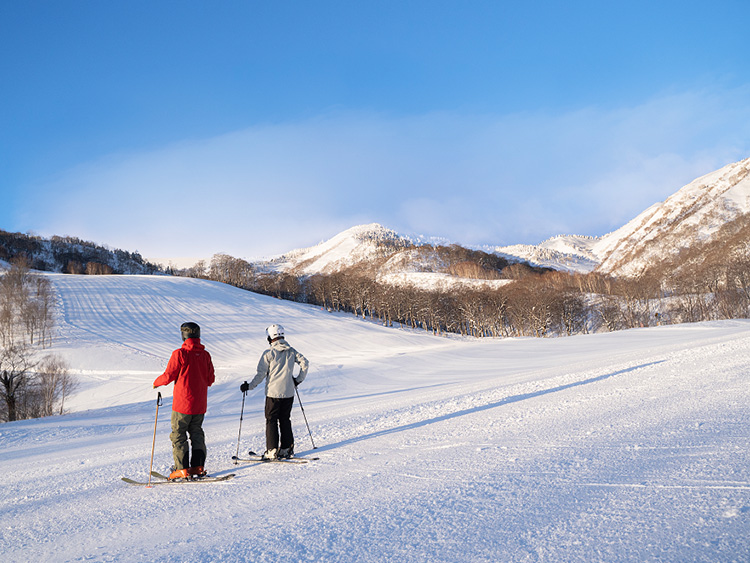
[[630, 446]]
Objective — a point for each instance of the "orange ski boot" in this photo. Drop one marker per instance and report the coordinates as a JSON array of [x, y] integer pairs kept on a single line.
[[179, 474]]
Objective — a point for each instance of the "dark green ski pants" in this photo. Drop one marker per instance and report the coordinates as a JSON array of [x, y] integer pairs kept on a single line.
[[184, 425]]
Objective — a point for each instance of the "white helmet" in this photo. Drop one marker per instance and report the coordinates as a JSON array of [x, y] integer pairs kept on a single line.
[[275, 331]]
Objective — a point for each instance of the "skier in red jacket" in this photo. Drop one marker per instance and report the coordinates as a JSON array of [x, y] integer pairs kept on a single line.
[[191, 369]]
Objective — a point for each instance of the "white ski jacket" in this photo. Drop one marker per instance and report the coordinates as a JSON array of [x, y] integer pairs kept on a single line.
[[276, 366]]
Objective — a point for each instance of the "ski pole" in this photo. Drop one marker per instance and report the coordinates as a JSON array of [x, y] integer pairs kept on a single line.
[[242, 412], [305, 417], [153, 444]]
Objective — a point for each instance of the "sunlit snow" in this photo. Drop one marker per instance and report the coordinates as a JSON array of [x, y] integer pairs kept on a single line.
[[620, 447]]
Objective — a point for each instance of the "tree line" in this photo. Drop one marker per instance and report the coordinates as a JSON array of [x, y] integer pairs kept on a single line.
[[32, 383]]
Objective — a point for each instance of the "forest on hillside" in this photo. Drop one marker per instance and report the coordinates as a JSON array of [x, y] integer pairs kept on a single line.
[[71, 255]]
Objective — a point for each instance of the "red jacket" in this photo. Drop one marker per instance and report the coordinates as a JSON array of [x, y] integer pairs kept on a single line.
[[193, 371]]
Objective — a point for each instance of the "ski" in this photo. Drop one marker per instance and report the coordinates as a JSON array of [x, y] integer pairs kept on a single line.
[[162, 480], [252, 455], [261, 460], [205, 477], [257, 458]]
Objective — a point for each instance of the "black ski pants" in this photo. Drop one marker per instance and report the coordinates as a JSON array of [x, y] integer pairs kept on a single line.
[[278, 413]]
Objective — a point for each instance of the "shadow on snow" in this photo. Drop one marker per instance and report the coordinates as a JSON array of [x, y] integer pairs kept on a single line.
[[474, 410]]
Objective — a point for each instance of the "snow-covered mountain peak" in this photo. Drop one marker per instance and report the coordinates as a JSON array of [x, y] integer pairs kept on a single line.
[[370, 232], [353, 245], [692, 214]]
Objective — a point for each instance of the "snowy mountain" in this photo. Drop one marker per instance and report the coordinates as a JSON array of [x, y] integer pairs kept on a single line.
[[400, 260], [387, 257], [694, 214], [363, 243], [568, 253], [618, 447], [404, 261]]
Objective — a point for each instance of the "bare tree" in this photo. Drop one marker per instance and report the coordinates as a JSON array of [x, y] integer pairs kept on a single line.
[[26, 303], [609, 312], [74, 267], [570, 312], [16, 365], [54, 383]]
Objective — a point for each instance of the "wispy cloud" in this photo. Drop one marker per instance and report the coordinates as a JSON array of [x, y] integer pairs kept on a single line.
[[475, 179]]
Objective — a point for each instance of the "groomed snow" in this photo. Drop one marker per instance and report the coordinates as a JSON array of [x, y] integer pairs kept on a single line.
[[622, 447]]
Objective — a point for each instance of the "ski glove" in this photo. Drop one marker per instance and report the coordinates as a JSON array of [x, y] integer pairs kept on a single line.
[[245, 387]]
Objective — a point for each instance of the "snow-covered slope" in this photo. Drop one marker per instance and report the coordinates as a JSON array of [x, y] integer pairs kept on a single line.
[[692, 214], [422, 267], [630, 446]]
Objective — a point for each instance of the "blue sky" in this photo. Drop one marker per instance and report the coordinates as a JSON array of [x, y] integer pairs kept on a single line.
[[190, 128]]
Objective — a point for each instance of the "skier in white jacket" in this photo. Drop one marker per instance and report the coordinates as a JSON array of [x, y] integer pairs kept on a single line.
[[276, 366]]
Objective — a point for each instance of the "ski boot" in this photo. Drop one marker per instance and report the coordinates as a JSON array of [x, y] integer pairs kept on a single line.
[[197, 472], [179, 475], [270, 455]]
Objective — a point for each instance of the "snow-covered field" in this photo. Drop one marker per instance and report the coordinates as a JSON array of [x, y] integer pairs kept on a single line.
[[623, 447]]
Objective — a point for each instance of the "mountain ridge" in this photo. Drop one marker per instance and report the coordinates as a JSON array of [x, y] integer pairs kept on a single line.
[[693, 214]]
